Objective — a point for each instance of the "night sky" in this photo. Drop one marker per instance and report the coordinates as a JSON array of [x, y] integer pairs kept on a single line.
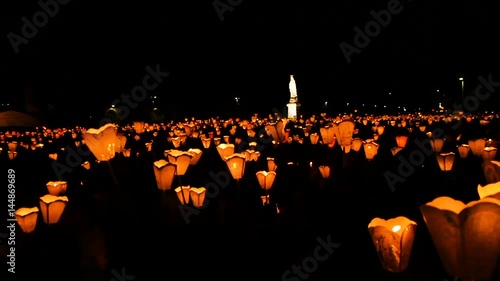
[[90, 53]]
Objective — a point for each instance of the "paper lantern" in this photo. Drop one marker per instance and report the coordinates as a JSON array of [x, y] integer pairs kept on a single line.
[[477, 146], [196, 155], [56, 187], [225, 150], [327, 134], [12, 146], [467, 237], [53, 156], [371, 149], [437, 145], [206, 142], [314, 137], [463, 150], [251, 155], [12, 155], [197, 196], [139, 127], [345, 131], [396, 150], [127, 152], [445, 161], [324, 171], [26, 218], [183, 194], [149, 146], [271, 164], [380, 130], [164, 174], [52, 207], [401, 141], [491, 171], [176, 142], [272, 132], [393, 240], [181, 159], [266, 179], [356, 144], [86, 165], [489, 153], [104, 142], [217, 141], [489, 190], [226, 139], [236, 165]]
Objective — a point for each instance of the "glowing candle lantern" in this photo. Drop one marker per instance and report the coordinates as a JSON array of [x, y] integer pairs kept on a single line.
[[196, 155], [489, 190], [236, 165], [226, 139], [26, 218], [266, 179], [225, 150], [12, 145], [371, 149], [491, 171], [271, 164], [86, 165], [489, 153], [176, 142], [380, 130], [12, 155], [52, 207], [139, 127], [149, 146], [396, 150], [57, 187], [328, 134], [197, 196], [252, 155], [356, 144], [445, 161], [164, 174], [344, 131], [437, 145], [477, 146], [467, 237], [127, 152], [104, 142], [324, 171], [393, 240], [463, 150], [217, 141], [314, 137], [206, 142], [53, 156], [422, 128], [183, 194], [401, 141], [181, 159]]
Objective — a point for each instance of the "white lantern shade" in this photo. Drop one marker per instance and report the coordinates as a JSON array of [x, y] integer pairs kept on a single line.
[[56, 187], [197, 195], [236, 165], [27, 218], [52, 207], [266, 179], [183, 194]]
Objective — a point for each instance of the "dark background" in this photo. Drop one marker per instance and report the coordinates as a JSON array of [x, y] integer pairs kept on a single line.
[[91, 52]]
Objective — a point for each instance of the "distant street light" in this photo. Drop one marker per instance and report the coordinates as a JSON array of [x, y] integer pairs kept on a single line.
[[462, 79]]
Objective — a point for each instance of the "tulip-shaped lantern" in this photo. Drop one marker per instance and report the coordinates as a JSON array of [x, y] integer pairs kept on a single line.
[[356, 144], [266, 179], [314, 137], [181, 159], [467, 237], [271, 164], [225, 150], [437, 145], [104, 142], [164, 174], [380, 130], [197, 195], [183, 194], [176, 142], [489, 190], [12, 155], [393, 240], [477, 146], [127, 152], [401, 141], [139, 127], [371, 149], [52, 207], [491, 171], [53, 156], [324, 171], [196, 155], [445, 161], [217, 141], [463, 150], [57, 187], [86, 165], [236, 165], [252, 155], [328, 134], [489, 153], [226, 139], [206, 142], [27, 218], [396, 150], [12, 146]]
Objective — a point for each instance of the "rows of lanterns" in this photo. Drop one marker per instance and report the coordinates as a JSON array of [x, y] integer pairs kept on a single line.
[[467, 236]]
